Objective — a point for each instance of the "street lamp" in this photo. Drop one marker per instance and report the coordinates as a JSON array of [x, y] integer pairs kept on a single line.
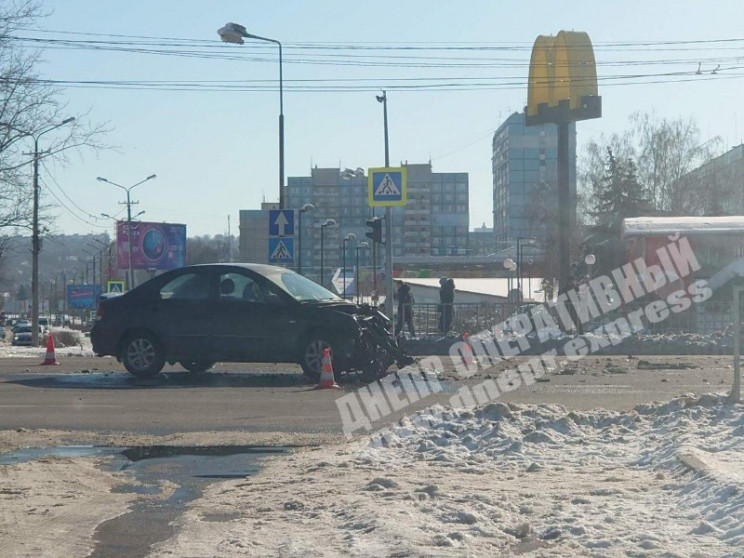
[[350, 236], [356, 276], [35, 240], [303, 209], [589, 260], [235, 33], [129, 202], [328, 223]]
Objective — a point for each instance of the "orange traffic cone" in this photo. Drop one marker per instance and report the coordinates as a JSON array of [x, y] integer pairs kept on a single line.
[[49, 359], [467, 350], [327, 381]]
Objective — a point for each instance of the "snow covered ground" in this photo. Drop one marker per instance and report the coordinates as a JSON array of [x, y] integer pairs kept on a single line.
[[501, 480], [661, 480], [7, 350]]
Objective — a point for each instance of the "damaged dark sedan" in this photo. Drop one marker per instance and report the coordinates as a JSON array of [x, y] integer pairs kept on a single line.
[[203, 314]]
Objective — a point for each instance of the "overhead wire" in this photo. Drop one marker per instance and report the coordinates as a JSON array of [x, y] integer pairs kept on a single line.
[[504, 56]]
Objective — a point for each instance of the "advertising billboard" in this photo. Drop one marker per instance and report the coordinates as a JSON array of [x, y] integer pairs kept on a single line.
[[160, 246], [82, 296]]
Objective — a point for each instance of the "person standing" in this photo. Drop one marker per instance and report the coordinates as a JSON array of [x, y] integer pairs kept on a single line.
[[446, 301], [405, 310]]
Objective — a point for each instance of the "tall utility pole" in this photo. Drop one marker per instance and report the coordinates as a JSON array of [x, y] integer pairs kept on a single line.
[[35, 237], [129, 202]]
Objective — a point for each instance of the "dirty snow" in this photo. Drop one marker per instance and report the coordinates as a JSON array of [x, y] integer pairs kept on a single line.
[[662, 480], [501, 480]]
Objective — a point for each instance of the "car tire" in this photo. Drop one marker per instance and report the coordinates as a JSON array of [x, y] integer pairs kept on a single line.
[[311, 356], [197, 366], [142, 355]]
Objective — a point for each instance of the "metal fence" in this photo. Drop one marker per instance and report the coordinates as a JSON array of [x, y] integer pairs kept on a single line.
[[470, 317], [475, 317]]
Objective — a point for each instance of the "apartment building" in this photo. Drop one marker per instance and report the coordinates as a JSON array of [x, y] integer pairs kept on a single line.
[[434, 222], [525, 169]]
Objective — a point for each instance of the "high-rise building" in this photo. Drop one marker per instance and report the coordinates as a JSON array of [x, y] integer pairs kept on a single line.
[[525, 172], [434, 222]]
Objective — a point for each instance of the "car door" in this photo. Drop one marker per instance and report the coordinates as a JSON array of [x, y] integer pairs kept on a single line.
[[185, 313], [253, 320]]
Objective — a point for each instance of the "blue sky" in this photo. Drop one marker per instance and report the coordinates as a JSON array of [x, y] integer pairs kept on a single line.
[[216, 151]]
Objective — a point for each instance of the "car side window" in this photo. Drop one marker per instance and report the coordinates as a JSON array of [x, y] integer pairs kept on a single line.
[[189, 286], [237, 286]]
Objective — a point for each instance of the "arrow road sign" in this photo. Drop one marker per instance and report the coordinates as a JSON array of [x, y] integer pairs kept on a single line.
[[387, 186], [281, 222]]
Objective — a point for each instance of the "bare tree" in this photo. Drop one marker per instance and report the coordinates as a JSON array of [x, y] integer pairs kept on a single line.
[[663, 152], [28, 106], [666, 151]]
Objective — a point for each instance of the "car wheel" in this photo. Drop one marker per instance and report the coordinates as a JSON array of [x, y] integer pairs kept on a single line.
[[197, 366], [142, 355], [311, 357]]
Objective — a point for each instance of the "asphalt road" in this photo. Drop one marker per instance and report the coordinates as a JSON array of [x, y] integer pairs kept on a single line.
[[96, 394]]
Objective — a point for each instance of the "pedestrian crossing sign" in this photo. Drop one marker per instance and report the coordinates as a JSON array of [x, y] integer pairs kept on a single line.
[[281, 250], [114, 286], [386, 186]]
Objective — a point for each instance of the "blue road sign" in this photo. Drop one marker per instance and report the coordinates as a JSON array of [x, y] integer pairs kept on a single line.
[[281, 222], [281, 250], [387, 186]]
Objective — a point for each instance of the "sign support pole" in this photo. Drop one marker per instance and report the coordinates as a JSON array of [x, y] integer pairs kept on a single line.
[[735, 396]]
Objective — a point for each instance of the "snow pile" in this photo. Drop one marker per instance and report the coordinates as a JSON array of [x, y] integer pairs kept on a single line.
[[500, 480], [688, 454], [7, 350]]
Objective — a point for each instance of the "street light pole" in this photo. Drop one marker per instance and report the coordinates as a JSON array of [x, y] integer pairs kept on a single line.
[[328, 223], [303, 209], [388, 223], [93, 256], [130, 279], [235, 33]]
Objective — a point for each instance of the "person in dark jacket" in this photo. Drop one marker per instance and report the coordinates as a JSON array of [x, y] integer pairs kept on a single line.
[[446, 299], [405, 310]]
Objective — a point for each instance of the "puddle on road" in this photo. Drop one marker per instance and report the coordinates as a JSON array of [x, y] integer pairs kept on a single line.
[[190, 468]]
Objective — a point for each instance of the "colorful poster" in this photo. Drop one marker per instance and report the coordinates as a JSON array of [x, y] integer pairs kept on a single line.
[[83, 296], [155, 246]]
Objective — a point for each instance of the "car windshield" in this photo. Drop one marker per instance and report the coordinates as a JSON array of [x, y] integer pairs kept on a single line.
[[302, 288]]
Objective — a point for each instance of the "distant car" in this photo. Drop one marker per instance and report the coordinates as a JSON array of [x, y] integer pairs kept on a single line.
[[202, 314], [22, 336], [18, 324]]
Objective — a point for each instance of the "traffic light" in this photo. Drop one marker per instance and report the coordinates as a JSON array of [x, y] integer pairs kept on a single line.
[[376, 233]]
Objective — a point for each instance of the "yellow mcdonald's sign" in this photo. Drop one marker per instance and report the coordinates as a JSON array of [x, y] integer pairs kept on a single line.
[[562, 85]]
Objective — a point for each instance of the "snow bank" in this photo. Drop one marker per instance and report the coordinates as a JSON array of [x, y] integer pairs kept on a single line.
[[500, 480]]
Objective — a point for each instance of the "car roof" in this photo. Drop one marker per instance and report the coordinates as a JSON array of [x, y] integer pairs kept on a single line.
[[258, 268]]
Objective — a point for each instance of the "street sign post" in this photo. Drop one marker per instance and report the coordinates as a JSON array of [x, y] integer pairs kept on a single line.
[[386, 186], [281, 222], [281, 250], [114, 286], [281, 236]]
